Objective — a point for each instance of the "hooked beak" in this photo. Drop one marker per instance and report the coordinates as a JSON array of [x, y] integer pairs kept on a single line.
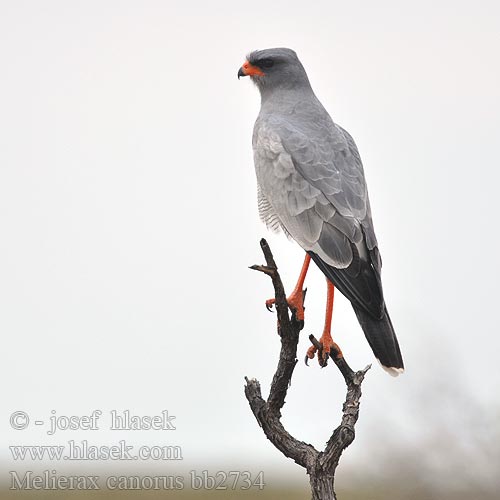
[[249, 70]]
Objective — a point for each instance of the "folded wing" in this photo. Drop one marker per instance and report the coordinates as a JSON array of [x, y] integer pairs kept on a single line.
[[312, 185]]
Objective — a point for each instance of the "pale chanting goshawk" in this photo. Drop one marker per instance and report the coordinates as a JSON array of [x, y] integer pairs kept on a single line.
[[311, 185]]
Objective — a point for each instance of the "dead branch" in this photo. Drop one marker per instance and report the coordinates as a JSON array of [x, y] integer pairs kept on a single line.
[[320, 466]]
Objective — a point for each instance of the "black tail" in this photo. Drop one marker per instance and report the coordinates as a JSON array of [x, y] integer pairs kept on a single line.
[[382, 339]]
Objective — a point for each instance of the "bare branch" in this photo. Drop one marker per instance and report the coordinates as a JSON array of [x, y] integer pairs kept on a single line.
[[302, 453], [320, 466], [268, 413], [344, 434]]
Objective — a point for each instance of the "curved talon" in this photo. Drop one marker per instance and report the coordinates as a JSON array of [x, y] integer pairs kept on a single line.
[[323, 360], [269, 304], [296, 306], [311, 352], [325, 352]]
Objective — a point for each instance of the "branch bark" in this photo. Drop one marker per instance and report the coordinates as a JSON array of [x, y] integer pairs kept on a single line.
[[319, 465]]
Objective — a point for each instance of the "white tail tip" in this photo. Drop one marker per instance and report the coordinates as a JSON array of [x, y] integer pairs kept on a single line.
[[393, 372]]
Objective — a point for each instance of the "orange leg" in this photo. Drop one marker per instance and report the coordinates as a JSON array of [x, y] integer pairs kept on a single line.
[[296, 298], [326, 340]]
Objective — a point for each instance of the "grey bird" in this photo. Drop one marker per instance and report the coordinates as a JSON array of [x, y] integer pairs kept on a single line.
[[311, 185]]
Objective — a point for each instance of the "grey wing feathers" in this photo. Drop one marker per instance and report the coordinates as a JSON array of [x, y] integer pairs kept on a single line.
[[300, 206], [332, 164], [317, 192]]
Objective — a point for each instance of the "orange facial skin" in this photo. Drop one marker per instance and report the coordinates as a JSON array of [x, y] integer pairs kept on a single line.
[[251, 70]]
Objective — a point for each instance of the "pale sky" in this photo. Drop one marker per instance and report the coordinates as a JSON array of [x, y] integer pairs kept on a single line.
[[128, 217]]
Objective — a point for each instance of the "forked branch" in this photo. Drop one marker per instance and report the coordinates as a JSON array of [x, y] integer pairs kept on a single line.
[[320, 466]]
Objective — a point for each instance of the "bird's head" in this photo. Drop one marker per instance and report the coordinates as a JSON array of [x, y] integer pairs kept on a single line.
[[274, 69]]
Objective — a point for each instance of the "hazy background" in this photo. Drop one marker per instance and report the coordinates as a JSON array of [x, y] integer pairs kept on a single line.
[[128, 221]]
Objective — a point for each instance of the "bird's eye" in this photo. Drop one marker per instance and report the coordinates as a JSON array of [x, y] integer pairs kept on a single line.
[[266, 63]]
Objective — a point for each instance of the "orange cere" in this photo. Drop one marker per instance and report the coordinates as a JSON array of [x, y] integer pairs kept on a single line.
[[251, 70]]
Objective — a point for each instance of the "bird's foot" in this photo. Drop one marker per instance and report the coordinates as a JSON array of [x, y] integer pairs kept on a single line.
[[327, 348], [295, 303]]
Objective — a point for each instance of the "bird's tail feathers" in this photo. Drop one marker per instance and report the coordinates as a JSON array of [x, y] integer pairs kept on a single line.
[[382, 339]]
